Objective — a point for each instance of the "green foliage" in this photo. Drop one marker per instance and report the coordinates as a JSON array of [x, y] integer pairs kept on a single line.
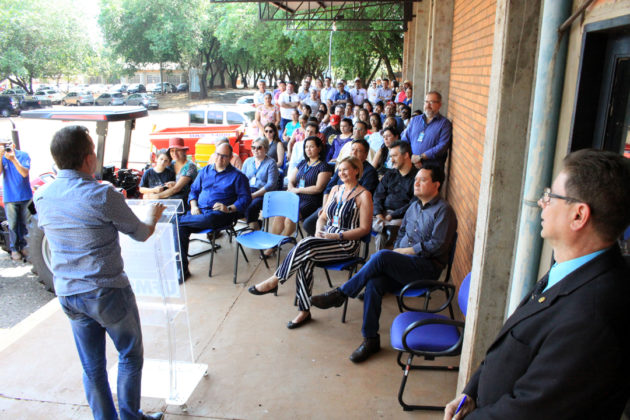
[[39, 41]]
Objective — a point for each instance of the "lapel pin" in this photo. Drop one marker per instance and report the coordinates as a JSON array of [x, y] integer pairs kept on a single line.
[[541, 299]]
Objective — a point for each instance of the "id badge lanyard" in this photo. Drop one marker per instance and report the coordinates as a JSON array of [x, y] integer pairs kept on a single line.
[[340, 203], [302, 181], [252, 180]]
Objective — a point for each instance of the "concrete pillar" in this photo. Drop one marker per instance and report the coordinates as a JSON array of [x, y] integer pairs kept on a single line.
[[433, 29], [419, 56], [408, 49], [509, 102]]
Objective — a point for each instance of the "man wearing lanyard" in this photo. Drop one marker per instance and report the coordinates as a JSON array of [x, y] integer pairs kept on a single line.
[[563, 353], [426, 234], [429, 134], [219, 194]]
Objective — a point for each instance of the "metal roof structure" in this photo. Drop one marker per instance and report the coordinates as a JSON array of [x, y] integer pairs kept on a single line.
[[388, 15]]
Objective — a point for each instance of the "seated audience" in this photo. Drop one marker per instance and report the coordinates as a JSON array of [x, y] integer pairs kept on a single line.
[[298, 148], [332, 130], [160, 177], [339, 231], [375, 137], [262, 173], [219, 195], [339, 141], [291, 126], [299, 134], [422, 248], [369, 181], [234, 161], [382, 160], [185, 173], [393, 195], [266, 113], [308, 180], [276, 148], [358, 133]]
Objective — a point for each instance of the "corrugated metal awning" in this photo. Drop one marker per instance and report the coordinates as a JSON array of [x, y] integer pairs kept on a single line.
[[345, 15]]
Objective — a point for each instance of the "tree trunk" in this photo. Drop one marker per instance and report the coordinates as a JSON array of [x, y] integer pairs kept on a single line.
[[388, 64], [367, 83]]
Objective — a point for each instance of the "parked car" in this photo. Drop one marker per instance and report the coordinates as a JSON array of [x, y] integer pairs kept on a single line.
[[246, 100], [222, 114], [113, 98], [122, 88], [144, 99], [50, 94], [136, 88], [9, 106], [182, 87], [157, 88], [78, 98], [16, 91]]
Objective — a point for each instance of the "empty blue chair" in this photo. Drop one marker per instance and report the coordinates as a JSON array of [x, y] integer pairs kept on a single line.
[[429, 335], [275, 203], [214, 247]]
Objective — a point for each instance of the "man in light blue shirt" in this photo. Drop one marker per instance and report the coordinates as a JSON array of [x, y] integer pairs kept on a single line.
[[81, 219], [563, 353]]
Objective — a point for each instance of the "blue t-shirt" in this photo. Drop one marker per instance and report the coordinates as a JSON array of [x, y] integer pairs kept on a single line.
[[151, 178], [16, 187]]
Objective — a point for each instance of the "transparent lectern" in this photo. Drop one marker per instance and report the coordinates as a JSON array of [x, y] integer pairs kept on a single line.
[[170, 371]]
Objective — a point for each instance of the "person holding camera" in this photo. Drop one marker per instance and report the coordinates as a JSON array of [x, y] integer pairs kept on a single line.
[[17, 196]]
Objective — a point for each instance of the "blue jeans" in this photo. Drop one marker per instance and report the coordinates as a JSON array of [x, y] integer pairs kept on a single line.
[[386, 271], [112, 311], [18, 218], [283, 123]]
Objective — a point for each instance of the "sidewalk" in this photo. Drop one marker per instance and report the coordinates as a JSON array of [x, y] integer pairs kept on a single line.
[[257, 367]]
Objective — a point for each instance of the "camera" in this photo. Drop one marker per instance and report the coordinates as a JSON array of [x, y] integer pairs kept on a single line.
[[7, 148]]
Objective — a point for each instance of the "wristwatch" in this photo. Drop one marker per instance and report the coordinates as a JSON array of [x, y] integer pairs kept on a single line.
[[341, 236]]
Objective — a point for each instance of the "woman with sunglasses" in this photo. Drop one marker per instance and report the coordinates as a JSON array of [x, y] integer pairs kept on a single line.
[[276, 147], [262, 173]]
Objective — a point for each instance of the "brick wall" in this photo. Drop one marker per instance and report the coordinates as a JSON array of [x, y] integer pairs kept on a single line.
[[471, 58]]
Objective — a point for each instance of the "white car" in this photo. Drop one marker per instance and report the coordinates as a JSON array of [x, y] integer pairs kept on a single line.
[[214, 115], [51, 94]]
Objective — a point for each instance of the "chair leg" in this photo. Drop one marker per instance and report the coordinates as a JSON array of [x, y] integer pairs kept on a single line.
[[408, 407], [262, 254], [345, 309], [212, 238], [243, 252], [236, 261], [328, 278]]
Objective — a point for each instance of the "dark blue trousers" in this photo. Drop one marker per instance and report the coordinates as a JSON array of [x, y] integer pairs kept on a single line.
[[385, 271], [192, 223]]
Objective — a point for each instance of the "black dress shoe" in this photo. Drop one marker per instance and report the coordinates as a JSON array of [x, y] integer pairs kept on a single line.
[[257, 292], [366, 349], [153, 416], [329, 299], [293, 325]]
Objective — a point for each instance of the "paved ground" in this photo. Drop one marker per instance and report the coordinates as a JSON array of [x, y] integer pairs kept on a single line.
[[20, 292]]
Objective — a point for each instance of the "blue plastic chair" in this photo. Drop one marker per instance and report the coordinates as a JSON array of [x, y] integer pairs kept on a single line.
[[424, 291], [212, 236], [350, 266], [429, 335], [275, 203]]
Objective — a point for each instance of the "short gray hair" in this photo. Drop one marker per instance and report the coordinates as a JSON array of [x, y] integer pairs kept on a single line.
[[264, 142]]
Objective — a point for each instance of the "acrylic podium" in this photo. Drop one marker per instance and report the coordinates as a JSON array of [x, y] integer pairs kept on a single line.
[[169, 371]]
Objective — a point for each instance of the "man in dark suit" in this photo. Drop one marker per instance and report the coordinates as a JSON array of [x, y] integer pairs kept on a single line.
[[563, 352]]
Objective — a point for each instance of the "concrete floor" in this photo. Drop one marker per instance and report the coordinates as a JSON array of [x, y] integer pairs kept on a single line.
[[257, 368]]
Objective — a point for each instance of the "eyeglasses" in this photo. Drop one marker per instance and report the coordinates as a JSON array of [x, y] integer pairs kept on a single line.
[[221, 156], [256, 147], [269, 131], [432, 102], [547, 195]]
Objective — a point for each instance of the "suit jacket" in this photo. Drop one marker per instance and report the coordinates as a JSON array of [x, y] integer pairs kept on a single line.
[[564, 355]]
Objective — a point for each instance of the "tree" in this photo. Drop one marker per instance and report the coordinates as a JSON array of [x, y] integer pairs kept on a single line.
[[37, 44]]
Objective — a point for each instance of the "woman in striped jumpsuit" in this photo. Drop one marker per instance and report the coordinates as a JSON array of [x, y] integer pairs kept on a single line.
[[346, 218]]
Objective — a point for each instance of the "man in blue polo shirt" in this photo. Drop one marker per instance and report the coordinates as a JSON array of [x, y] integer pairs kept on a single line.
[[429, 134], [17, 195], [218, 196]]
